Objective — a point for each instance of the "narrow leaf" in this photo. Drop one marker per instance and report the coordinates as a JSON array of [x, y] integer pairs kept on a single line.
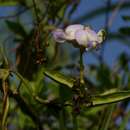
[[60, 78], [109, 91], [5, 112], [110, 98]]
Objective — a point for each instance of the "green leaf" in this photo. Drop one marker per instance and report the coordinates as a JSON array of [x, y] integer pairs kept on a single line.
[[16, 28], [4, 73], [60, 78], [109, 91], [5, 112], [110, 98], [126, 18], [25, 82]]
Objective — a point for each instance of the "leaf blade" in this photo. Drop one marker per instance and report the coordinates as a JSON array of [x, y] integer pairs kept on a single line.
[[60, 78], [110, 98]]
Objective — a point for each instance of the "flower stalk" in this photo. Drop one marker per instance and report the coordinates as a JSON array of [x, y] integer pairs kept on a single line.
[[81, 67]]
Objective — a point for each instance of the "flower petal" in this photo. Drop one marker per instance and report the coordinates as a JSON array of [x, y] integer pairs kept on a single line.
[[59, 35], [70, 31], [81, 37], [91, 45], [92, 36]]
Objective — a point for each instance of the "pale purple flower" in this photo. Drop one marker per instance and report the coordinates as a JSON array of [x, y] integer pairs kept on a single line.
[[71, 30], [92, 35], [59, 35], [83, 36], [87, 38]]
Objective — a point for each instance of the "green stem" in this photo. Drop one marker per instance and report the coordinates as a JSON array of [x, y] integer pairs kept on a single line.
[[81, 67], [108, 117], [75, 124], [5, 105], [62, 121]]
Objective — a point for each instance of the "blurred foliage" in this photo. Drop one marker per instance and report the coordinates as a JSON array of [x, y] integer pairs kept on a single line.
[[39, 85]]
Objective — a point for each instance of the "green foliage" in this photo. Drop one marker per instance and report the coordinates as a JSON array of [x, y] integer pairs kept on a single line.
[[110, 98], [40, 85]]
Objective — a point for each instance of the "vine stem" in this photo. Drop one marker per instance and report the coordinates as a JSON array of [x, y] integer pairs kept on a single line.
[[81, 67]]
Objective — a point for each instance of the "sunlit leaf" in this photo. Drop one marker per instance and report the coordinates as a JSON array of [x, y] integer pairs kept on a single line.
[[110, 98], [109, 91], [60, 78]]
